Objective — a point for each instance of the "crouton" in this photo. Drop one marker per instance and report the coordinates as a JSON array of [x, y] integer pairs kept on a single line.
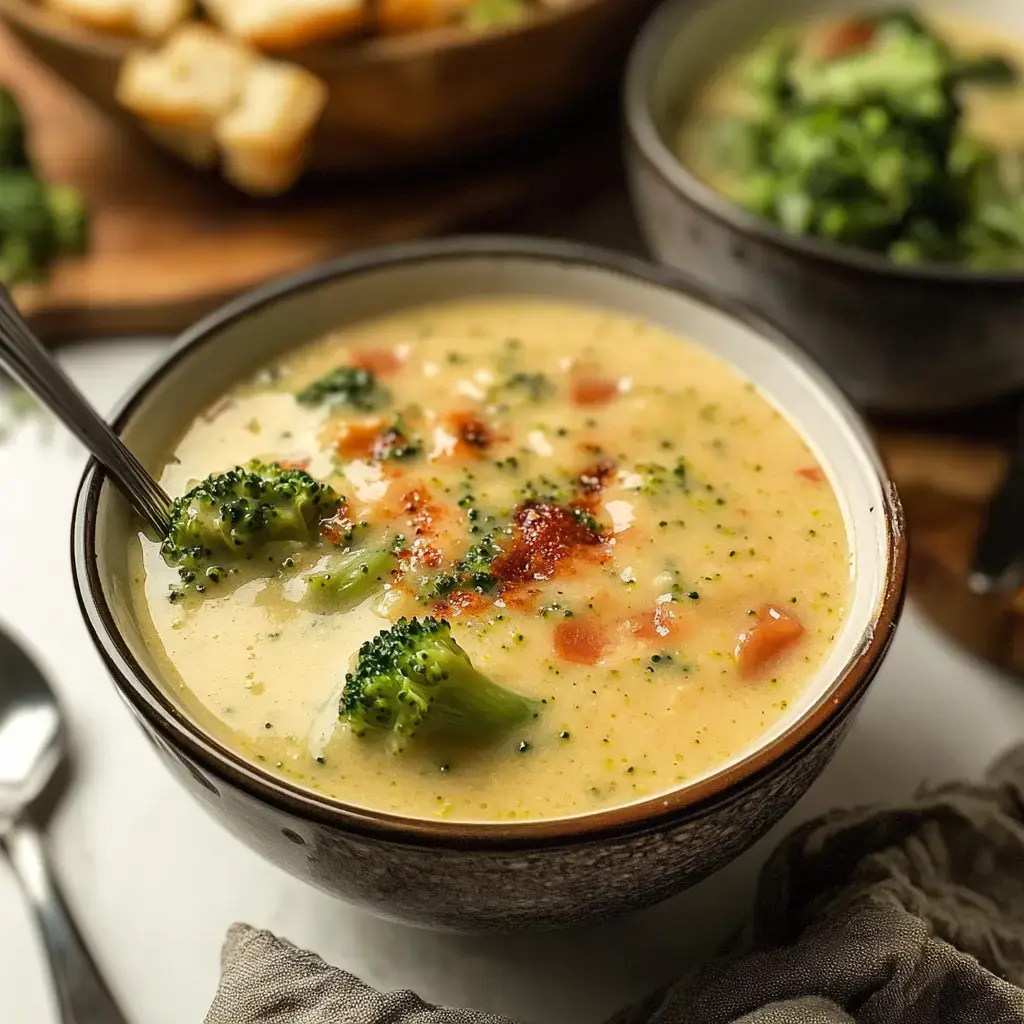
[[150, 18], [193, 81], [281, 25]]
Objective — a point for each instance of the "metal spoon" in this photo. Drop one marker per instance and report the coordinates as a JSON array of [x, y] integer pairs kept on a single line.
[[26, 359], [31, 749]]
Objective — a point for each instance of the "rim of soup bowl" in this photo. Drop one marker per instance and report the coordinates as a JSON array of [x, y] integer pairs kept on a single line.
[[147, 697], [645, 61]]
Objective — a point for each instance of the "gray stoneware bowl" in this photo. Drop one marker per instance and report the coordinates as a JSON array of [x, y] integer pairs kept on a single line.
[[501, 876], [896, 339]]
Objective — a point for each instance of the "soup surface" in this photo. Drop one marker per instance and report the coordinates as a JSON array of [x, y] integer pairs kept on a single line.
[[892, 132], [656, 558]]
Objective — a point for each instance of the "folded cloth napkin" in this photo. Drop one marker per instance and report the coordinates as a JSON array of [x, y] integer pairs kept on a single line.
[[909, 914]]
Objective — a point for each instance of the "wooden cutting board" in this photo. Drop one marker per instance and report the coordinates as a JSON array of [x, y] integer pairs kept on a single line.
[[170, 243], [947, 472]]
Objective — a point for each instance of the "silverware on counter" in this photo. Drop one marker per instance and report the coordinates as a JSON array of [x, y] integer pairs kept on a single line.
[[31, 750], [25, 359], [998, 564]]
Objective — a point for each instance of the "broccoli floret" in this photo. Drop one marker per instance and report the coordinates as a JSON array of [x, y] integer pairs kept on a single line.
[[233, 515], [414, 680], [70, 224], [346, 387], [521, 389], [348, 578], [13, 152]]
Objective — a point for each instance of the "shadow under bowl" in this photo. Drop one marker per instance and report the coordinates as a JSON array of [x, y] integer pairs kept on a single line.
[[511, 875], [896, 339]]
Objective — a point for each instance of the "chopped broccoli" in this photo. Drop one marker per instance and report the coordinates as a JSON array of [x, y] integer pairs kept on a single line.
[[863, 144], [520, 389], [471, 572], [414, 680], [38, 222], [233, 515], [346, 386], [347, 578]]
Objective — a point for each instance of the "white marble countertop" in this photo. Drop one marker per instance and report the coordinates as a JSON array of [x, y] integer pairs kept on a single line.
[[155, 883]]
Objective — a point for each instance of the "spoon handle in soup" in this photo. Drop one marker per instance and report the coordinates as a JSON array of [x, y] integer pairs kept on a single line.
[[82, 995], [26, 359]]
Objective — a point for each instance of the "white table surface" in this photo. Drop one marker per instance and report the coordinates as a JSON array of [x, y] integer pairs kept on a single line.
[[155, 882]]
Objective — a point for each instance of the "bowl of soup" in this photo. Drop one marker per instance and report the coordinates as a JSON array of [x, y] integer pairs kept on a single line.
[[853, 169], [512, 584]]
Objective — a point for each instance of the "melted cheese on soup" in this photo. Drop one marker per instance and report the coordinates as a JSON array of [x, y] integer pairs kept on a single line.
[[672, 568]]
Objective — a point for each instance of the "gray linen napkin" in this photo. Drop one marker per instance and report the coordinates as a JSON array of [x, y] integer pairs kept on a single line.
[[910, 914]]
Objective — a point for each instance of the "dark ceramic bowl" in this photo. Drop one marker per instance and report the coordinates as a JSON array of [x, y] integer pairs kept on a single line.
[[521, 874], [895, 339]]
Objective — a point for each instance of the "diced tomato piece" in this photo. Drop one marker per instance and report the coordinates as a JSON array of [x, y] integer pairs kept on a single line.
[[812, 473], [302, 464], [774, 632], [581, 642], [842, 39], [591, 389], [384, 362]]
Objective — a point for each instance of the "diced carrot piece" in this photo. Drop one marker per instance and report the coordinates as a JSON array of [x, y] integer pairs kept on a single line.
[[771, 636], [338, 528], [812, 473], [294, 463], [593, 390], [384, 362], [842, 39], [579, 642]]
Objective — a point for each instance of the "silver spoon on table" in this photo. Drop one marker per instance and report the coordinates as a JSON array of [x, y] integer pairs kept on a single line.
[[31, 751], [22, 355]]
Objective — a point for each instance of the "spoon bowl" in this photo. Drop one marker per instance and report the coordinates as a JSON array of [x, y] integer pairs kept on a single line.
[[32, 747], [31, 737]]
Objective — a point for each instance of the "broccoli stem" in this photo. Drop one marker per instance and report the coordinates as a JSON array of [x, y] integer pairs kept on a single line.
[[346, 579]]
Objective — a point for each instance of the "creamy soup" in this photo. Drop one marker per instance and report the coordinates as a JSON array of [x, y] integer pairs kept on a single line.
[[893, 132], [656, 559]]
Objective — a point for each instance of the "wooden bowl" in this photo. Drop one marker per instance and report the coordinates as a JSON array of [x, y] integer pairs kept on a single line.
[[400, 101]]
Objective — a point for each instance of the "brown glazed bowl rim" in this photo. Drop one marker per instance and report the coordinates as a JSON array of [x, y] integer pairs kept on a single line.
[[369, 50], [147, 698], [645, 60]]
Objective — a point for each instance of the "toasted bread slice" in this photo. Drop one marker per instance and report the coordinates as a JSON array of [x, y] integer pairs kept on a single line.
[[151, 18], [394, 16], [193, 81], [276, 112], [281, 25]]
